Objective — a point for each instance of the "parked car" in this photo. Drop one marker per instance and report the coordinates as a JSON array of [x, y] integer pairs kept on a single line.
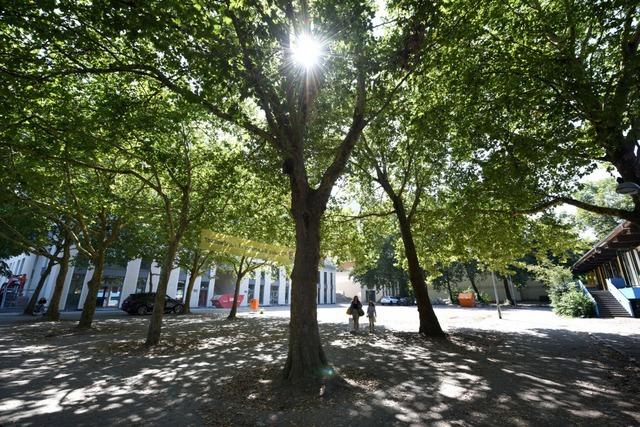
[[406, 301], [142, 304], [387, 300]]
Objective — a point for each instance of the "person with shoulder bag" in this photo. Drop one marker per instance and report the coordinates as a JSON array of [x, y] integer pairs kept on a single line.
[[355, 310]]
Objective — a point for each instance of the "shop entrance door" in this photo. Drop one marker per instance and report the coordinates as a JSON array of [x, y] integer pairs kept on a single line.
[[204, 291]]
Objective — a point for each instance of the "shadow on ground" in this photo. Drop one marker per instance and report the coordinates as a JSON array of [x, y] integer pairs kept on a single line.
[[213, 372]]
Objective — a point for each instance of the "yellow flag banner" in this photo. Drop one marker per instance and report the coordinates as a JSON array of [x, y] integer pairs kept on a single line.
[[222, 243]]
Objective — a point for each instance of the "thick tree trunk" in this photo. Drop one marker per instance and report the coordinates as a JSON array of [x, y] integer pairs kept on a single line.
[[89, 307], [155, 324], [623, 155], [36, 293], [236, 293], [429, 324], [53, 312], [507, 291], [306, 359]]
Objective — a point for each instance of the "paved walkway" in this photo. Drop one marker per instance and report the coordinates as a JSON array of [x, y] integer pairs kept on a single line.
[[530, 368]]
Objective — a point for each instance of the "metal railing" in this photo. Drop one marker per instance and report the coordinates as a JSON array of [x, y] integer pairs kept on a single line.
[[588, 294], [622, 299]]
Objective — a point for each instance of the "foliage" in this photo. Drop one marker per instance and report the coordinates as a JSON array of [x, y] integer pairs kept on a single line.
[[568, 300], [550, 273], [545, 90], [601, 193], [385, 274]]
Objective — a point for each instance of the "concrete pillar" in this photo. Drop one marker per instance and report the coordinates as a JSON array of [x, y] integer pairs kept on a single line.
[[195, 293], [67, 281], [155, 276], [282, 286], [130, 279], [172, 286], [212, 283], [267, 287], [244, 290], [85, 287]]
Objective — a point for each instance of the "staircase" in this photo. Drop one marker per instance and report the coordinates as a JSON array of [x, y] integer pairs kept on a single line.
[[608, 306]]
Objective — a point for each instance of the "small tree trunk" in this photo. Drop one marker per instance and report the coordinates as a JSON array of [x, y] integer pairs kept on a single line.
[[505, 282], [89, 307], [36, 293], [449, 289], [53, 312], [306, 359], [236, 293], [155, 324], [472, 279], [429, 324], [187, 297]]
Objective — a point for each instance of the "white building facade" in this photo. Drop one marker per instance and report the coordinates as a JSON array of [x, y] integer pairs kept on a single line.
[[269, 285]]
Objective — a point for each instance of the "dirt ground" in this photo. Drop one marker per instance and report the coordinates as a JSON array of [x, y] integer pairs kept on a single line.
[[213, 372]]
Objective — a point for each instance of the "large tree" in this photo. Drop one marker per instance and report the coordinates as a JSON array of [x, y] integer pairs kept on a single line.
[[546, 90], [233, 59]]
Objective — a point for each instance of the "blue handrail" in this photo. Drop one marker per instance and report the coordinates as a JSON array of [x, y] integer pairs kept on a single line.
[[588, 294]]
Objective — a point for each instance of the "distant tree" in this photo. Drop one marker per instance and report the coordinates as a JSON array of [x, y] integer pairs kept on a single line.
[[385, 274], [449, 275]]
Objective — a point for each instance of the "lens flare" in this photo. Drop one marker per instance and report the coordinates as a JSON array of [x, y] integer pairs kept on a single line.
[[306, 51]]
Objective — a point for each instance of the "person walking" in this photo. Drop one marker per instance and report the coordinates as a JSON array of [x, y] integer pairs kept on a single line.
[[356, 312], [371, 314]]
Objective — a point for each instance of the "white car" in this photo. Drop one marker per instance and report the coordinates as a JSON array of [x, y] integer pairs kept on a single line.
[[388, 300]]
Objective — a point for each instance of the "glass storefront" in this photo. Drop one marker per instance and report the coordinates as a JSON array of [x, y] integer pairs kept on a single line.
[[144, 277], [81, 265], [275, 285], [204, 291], [111, 290]]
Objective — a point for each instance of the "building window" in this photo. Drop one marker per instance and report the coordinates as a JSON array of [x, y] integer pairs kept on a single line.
[[112, 279], [275, 285], [81, 265], [180, 291], [143, 276]]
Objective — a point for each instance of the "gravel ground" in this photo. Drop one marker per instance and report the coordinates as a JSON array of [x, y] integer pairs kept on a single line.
[[530, 368]]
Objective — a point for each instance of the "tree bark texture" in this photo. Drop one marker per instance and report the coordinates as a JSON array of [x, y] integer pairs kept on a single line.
[[507, 291], [429, 324], [193, 274], [53, 312], [306, 359], [236, 293], [155, 324], [31, 305], [472, 279], [89, 307]]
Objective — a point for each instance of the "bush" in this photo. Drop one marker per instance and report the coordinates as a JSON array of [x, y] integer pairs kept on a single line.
[[572, 302]]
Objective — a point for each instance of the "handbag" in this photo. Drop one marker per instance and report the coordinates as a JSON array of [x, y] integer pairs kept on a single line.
[[350, 311], [361, 312]]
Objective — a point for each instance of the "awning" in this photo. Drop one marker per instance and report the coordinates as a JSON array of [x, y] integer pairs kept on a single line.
[[624, 237]]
